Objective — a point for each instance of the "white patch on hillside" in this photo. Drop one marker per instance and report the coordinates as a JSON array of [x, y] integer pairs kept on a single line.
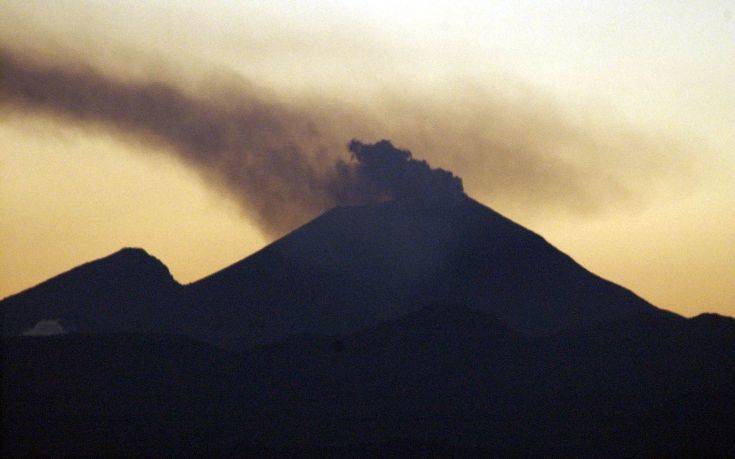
[[46, 327]]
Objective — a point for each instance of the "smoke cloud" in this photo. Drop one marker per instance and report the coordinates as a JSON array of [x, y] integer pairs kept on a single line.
[[286, 162], [243, 144], [384, 172], [270, 156]]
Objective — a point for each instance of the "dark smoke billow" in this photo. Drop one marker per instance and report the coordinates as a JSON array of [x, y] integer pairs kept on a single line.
[[263, 153], [383, 172]]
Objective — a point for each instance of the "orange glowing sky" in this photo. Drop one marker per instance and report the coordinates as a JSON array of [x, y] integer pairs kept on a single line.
[[606, 127]]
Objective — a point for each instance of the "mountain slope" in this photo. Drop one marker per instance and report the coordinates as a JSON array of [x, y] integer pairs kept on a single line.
[[351, 268], [446, 379], [357, 266], [120, 394], [454, 376], [126, 291]]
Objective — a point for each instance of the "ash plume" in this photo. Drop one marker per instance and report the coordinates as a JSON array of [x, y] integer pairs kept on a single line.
[[384, 172], [269, 156], [285, 163]]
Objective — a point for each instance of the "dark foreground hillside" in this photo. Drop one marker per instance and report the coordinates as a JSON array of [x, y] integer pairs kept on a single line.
[[445, 379]]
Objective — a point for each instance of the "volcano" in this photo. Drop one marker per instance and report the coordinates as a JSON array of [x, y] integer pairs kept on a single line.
[[407, 326], [350, 268], [358, 266]]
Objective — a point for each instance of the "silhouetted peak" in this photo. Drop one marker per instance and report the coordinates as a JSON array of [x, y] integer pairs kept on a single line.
[[128, 290], [447, 216], [711, 317], [135, 256], [133, 252], [134, 261], [127, 266], [712, 321]]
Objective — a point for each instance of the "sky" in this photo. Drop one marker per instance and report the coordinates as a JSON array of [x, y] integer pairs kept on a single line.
[[605, 126]]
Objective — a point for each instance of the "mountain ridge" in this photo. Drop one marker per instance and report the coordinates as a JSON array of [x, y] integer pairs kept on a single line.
[[128, 253], [124, 288], [381, 261], [350, 268]]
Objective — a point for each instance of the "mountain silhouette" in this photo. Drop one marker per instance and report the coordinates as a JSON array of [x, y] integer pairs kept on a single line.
[[350, 268], [414, 326], [357, 266], [126, 291]]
